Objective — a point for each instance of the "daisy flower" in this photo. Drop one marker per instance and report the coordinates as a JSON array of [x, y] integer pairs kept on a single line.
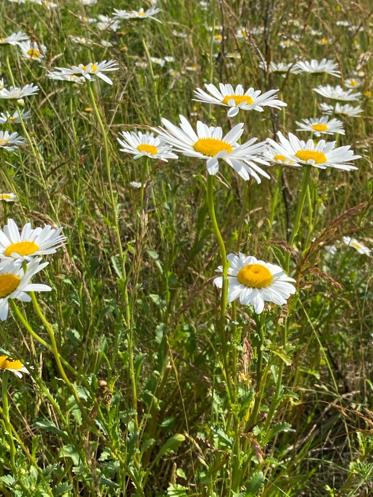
[[273, 156], [13, 365], [145, 145], [319, 67], [32, 50], [343, 110], [107, 23], [321, 154], [29, 242], [280, 67], [15, 93], [137, 14], [15, 282], [10, 141], [237, 98], [321, 125], [14, 38], [208, 143], [15, 118], [352, 83], [255, 282], [8, 197], [60, 75], [352, 242], [337, 93], [87, 71]]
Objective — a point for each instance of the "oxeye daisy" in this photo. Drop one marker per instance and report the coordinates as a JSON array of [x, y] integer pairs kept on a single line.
[[280, 67], [337, 93], [15, 93], [237, 98], [321, 125], [14, 38], [255, 282], [319, 67], [60, 75], [32, 50], [343, 110], [8, 197], [10, 141], [15, 118], [97, 69], [208, 143], [137, 14], [352, 242], [29, 242], [15, 282], [145, 144], [320, 154], [352, 83], [105, 23], [15, 366], [273, 156]]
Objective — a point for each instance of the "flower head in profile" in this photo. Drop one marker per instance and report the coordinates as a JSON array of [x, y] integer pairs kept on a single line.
[[137, 14], [10, 141], [279, 67], [107, 23], [337, 93], [15, 93], [323, 66], [8, 197], [352, 242], [32, 50], [15, 366], [321, 126], [15, 282], [87, 72], [320, 154], [145, 145], [209, 144], [30, 242], [237, 98], [15, 118], [343, 110], [254, 282], [14, 38]]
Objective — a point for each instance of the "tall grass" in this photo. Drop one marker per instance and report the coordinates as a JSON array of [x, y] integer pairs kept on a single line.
[[142, 381]]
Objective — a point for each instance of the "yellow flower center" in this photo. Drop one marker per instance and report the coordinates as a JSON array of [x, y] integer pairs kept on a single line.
[[280, 157], [34, 53], [141, 13], [238, 99], [4, 141], [255, 276], [320, 127], [8, 363], [353, 82], [6, 196], [212, 146], [94, 67], [21, 248], [8, 283], [148, 149], [356, 245], [314, 155]]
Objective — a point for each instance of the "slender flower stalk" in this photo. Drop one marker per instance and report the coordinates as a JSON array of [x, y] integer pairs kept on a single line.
[[7, 422]]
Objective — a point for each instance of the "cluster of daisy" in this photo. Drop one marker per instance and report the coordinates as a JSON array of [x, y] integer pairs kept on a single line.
[[11, 140], [21, 254], [30, 49]]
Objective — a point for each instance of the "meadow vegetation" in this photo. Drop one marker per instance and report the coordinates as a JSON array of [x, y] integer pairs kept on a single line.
[[139, 378]]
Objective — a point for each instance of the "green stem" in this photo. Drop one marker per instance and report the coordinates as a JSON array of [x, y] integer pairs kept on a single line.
[[54, 347], [222, 250], [301, 201], [8, 424], [22, 318]]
